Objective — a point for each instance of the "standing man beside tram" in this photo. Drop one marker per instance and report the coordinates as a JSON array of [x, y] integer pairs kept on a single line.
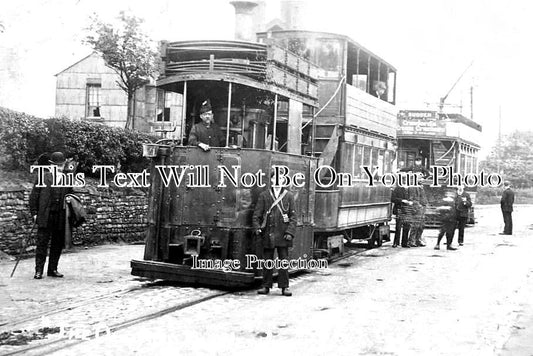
[[506, 204], [274, 220], [206, 134], [399, 199], [416, 211], [448, 218], [463, 203]]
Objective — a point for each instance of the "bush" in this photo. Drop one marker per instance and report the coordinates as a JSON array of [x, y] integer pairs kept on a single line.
[[489, 195], [24, 137]]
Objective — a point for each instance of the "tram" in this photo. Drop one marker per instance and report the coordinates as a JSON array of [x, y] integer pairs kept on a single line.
[[298, 99], [440, 140]]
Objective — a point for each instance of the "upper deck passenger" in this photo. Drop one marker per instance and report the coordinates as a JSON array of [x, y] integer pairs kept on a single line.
[[206, 134]]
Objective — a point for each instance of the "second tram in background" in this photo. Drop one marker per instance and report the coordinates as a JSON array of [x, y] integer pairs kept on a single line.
[[439, 139]]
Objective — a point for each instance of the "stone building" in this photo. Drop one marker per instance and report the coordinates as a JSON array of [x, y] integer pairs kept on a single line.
[[88, 90]]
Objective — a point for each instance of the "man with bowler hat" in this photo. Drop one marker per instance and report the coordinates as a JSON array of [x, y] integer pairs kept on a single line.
[[506, 204], [47, 206], [206, 134]]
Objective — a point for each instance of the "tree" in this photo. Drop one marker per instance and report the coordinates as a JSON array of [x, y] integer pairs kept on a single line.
[[127, 50], [514, 158]]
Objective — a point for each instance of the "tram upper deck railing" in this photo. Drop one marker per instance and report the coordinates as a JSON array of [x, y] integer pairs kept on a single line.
[[267, 63]]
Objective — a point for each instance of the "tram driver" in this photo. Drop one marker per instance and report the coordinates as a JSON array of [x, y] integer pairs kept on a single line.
[[206, 134]]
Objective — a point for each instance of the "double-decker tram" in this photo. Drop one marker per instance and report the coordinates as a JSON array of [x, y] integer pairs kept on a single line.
[[317, 103], [450, 141]]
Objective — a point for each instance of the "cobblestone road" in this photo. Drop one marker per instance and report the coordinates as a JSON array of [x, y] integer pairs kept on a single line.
[[383, 302]]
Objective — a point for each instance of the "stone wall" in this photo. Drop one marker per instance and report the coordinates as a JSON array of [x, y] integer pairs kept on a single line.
[[113, 215]]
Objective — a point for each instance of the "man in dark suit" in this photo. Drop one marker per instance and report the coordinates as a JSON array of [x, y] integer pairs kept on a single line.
[[447, 214], [274, 220], [463, 203], [399, 199], [416, 215], [47, 206], [507, 208]]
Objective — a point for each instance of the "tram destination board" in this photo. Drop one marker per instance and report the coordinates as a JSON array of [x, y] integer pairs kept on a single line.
[[420, 123]]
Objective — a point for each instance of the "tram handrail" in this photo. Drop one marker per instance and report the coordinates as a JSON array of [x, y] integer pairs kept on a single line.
[[327, 103], [444, 155]]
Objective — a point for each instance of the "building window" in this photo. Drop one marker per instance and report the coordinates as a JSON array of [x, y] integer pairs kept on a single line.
[[93, 100]]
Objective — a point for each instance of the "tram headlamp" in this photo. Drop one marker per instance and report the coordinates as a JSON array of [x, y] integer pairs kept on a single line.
[[150, 150]]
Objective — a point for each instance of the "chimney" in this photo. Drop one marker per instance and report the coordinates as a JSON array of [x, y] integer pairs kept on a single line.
[[244, 20], [292, 14], [259, 17]]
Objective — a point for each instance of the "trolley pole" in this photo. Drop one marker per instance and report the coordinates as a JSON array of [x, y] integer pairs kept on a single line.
[[499, 137], [274, 127]]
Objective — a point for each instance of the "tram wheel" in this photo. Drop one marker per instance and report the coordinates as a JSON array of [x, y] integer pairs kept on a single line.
[[371, 243], [376, 240], [379, 239]]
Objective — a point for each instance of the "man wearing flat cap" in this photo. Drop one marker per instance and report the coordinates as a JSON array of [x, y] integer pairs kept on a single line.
[[206, 134], [47, 206], [506, 204]]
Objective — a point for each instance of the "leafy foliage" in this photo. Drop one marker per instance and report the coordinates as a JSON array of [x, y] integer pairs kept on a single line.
[[23, 138], [515, 160], [126, 49]]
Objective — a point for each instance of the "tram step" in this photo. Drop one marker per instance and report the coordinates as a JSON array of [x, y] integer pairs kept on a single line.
[[185, 274]]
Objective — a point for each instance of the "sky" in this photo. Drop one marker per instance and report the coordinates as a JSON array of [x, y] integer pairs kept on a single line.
[[430, 43]]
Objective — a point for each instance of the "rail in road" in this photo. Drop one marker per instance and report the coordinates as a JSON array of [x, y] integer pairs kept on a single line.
[[77, 322]]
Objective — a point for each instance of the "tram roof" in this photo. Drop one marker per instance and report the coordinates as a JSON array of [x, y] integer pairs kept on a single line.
[[210, 45], [462, 119], [314, 34]]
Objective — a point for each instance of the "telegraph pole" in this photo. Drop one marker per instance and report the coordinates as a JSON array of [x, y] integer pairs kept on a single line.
[[472, 102], [499, 137]]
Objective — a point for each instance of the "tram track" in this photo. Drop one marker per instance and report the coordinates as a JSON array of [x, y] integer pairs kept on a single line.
[[38, 316], [56, 343], [66, 342]]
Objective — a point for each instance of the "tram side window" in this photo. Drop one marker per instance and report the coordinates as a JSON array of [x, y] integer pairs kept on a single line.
[[328, 55], [347, 158], [163, 106], [367, 157], [358, 161], [375, 161], [300, 47], [306, 139], [280, 143], [387, 162], [370, 75], [381, 162], [359, 81], [462, 167], [406, 159], [390, 87]]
